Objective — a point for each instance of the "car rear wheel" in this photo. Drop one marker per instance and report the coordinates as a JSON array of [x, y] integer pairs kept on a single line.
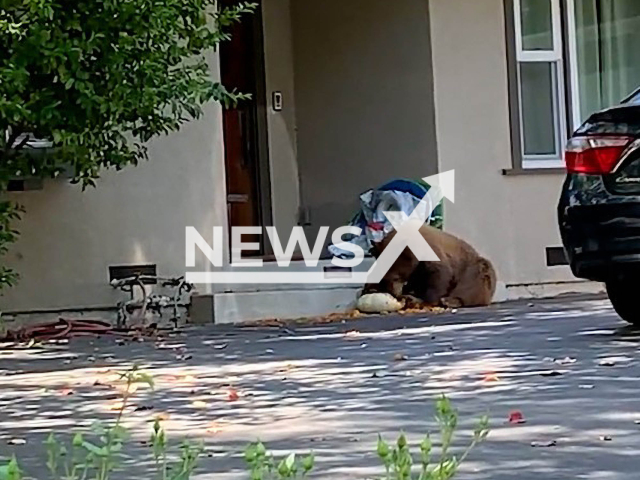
[[624, 297]]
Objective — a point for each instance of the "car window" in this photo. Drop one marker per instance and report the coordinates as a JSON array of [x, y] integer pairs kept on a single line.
[[634, 98]]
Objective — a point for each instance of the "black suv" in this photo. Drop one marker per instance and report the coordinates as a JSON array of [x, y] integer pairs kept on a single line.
[[599, 209]]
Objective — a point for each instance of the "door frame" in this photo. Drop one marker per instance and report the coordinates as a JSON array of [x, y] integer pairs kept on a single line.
[[261, 130]]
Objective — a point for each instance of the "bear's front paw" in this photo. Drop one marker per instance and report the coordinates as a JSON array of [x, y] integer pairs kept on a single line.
[[411, 302], [451, 302]]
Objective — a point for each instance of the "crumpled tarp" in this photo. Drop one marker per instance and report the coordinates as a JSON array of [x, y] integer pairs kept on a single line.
[[395, 196]]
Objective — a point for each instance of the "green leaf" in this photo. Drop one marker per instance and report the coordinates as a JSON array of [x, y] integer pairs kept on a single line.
[[383, 448], [77, 440], [11, 470], [94, 449], [290, 461], [308, 462], [402, 441]]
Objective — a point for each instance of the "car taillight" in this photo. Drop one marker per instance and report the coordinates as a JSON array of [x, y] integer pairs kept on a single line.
[[594, 155]]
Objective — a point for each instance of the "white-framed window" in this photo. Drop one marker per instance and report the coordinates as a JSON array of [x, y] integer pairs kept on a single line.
[[572, 58], [540, 78]]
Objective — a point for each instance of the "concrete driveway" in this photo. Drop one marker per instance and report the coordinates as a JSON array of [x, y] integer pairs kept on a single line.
[[569, 365]]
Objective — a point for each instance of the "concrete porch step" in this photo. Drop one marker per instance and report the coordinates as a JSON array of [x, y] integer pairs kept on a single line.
[[235, 307]]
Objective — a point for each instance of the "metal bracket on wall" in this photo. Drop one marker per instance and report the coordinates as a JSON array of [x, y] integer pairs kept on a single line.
[[304, 219]]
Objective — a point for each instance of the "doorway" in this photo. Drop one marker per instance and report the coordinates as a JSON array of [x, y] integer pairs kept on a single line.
[[245, 130]]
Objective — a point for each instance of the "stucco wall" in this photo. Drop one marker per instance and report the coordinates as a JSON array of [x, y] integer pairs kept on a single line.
[[364, 100], [278, 48], [70, 237], [511, 219]]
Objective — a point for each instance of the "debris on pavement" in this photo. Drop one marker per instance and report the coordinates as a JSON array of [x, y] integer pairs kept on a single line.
[[65, 391], [551, 373], [516, 417], [490, 378], [17, 441], [606, 438], [613, 361], [400, 357], [607, 362], [232, 395], [143, 408], [544, 444], [565, 361]]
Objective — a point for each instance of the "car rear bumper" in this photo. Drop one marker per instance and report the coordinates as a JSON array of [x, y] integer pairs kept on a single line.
[[602, 240]]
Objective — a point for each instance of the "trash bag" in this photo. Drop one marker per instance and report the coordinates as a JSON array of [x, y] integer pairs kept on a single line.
[[395, 196]]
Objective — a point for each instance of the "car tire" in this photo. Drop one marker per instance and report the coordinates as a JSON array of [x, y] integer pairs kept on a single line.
[[623, 294]]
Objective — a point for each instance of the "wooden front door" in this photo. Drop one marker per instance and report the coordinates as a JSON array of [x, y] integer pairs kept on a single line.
[[242, 69]]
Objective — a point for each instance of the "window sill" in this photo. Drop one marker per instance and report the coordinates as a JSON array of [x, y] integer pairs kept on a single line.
[[509, 172]]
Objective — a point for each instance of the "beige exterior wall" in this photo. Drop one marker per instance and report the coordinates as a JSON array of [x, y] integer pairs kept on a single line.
[[278, 48], [70, 237], [511, 219], [364, 100]]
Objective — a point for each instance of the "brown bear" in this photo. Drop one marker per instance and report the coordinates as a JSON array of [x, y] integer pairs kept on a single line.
[[462, 278]]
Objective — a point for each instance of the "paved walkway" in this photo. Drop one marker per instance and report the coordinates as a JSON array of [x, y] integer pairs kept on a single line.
[[332, 388]]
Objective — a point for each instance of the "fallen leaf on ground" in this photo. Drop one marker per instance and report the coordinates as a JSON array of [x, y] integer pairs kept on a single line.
[[585, 387], [606, 438], [188, 379], [544, 444], [400, 357], [232, 395], [490, 377], [222, 346], [115, 406], [516, 417], [352, 334], [214, 427], [199, 404], [65, 391], [17, 441], [162, 417]]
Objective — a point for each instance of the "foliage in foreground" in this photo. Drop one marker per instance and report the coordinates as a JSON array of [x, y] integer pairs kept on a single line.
[[98, 79], [99, 457]]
